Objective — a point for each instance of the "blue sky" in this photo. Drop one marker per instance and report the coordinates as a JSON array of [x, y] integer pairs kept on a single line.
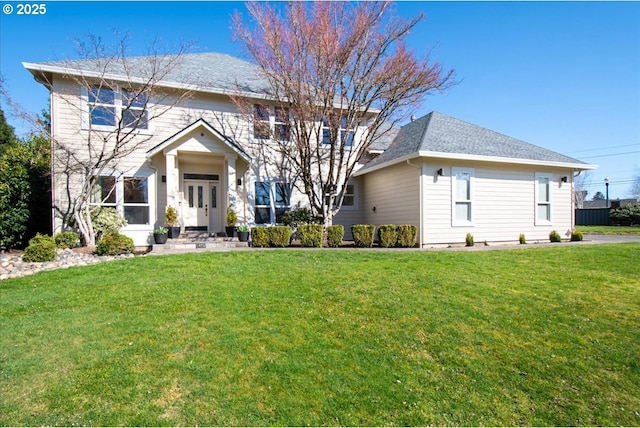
[[561, 75]]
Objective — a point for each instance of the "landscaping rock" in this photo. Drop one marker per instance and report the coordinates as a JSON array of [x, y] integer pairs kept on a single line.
[[12, 266]]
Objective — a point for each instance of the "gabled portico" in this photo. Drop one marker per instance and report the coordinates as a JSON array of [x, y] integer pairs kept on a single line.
[[198, 170]]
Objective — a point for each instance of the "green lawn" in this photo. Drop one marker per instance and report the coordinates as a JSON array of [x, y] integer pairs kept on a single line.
[[610, 230], [536, 336]]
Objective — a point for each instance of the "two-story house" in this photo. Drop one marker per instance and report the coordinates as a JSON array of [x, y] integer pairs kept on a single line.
[[202, 155]]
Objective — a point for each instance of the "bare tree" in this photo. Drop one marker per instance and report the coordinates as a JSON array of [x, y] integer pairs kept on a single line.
[[109, 134], [581, 183], [337, 71]]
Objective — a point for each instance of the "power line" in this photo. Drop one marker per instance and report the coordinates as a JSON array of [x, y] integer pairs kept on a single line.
[[610, 154], [604, 148]]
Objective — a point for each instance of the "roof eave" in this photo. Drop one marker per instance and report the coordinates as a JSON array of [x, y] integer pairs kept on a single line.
[[477, 158]]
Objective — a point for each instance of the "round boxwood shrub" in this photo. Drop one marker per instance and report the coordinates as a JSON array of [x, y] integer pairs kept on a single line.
[[363, 235], [310, 235], [576, 235], [335, 234], [554, 236], [42, 248], [66, 239], [113, 244], [388, 235]]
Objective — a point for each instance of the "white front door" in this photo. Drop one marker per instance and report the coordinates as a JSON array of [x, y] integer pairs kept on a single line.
[[196, 204]]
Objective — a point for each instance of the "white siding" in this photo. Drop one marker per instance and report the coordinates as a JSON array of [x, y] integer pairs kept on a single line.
[[503, 204]]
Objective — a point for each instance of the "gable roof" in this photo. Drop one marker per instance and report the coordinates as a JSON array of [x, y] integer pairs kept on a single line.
[[195, 125], [437, 135], [209, 72]]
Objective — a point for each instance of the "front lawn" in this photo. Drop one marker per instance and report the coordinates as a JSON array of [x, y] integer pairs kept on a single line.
[[537, 336]]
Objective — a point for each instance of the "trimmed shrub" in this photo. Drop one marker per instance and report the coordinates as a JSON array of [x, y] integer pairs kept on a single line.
[[113, 244], [335, 234], [554, 236], [66, 239], [522, 239], [42, 248], [280, 236], [407, 235], [310, 235], [576, 235], [363, 235], [259, 236], [469, 240], [388, 235], [628, 215]]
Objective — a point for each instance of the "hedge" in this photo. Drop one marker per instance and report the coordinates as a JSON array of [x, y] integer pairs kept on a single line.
[[335, 234], [407, 235], [388, 235], [363, 235], [310, 235]]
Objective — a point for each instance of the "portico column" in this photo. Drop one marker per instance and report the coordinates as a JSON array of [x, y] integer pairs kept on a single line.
[[232, 195], [172, 180]]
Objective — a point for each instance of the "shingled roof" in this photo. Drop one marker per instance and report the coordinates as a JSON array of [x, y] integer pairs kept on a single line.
[[442, 136], [211, 71]]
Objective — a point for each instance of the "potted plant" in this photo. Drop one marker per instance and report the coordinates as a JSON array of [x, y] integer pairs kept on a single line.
[[160, 235], [171, 220], [232, 219], [243, 233]]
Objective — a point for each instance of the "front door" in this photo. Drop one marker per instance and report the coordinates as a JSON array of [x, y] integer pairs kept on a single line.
[[196, 215], [202, 210]]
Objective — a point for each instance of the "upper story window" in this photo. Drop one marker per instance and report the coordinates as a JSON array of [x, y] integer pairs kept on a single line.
[[343, 133], [462, 196], [107, 108], [543, 198], [268, 124]]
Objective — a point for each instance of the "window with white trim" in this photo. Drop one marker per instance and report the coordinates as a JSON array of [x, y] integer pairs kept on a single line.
[[343, 133], [543, 198], [268, 125], [272, 199], [107, 107], [129, 196], [462, 196]]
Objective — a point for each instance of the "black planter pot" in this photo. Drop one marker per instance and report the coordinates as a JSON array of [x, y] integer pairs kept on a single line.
[[229, 230], [243, 236], [160, 238], [174, 232]]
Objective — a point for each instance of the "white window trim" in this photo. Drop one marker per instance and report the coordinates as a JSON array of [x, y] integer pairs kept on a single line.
[[540, 221], [86, 121], [273, 206], [472, 172], [119, 196]]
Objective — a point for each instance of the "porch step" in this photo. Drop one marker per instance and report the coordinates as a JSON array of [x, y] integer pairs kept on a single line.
[[197, 242]]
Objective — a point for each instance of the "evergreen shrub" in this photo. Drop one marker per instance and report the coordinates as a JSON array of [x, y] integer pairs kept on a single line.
[[576, 235], [42, 248], [113, 244], [469, 240], [66, 239], [310, 235], [363, 235], [388, 235], [280, 236], [554, 236], [407, 235], [259, 236], [335, 235]]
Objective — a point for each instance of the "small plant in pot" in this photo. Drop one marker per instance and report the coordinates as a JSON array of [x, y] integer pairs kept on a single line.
[[243, 233], [171, 220], [160, 235], [232, 219]]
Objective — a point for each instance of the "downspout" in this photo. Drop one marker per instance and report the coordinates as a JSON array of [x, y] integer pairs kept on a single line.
[[421, 208]]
